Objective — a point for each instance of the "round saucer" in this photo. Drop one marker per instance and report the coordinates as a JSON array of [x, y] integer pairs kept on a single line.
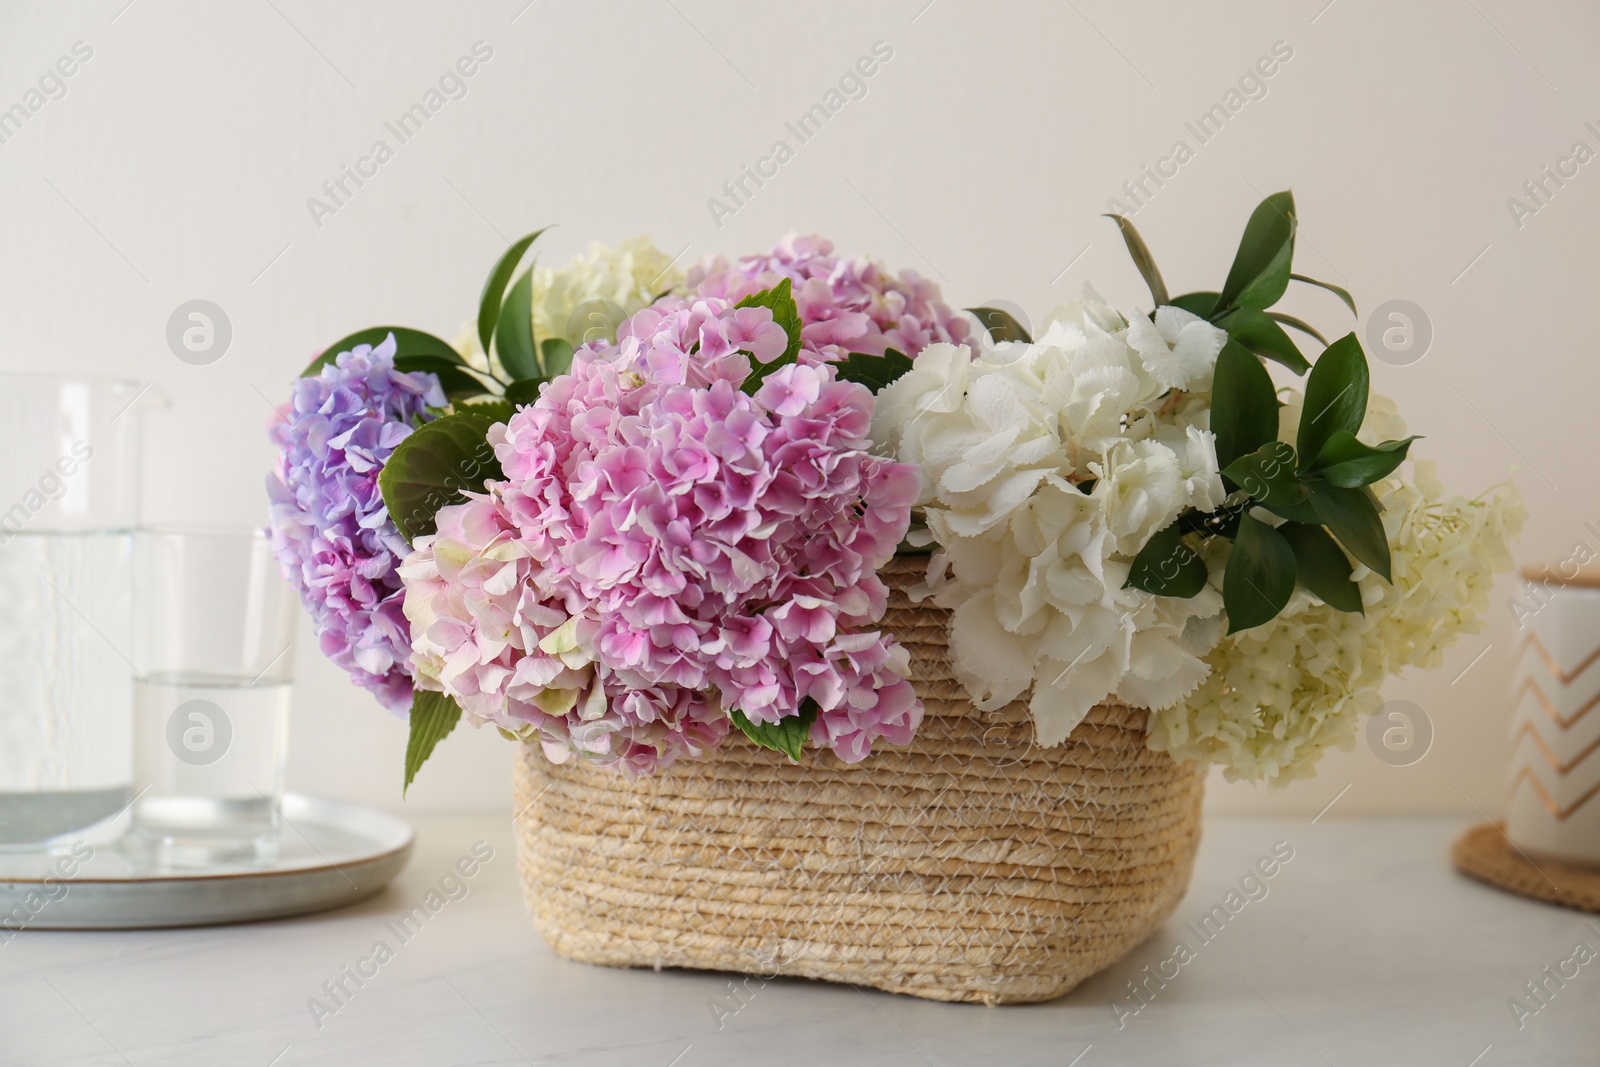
[[329, 854]]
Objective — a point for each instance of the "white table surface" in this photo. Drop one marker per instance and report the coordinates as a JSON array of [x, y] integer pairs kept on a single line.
[[1367, 949]]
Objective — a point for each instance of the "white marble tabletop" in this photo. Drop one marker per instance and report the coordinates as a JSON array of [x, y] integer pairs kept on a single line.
[[1364, 948]]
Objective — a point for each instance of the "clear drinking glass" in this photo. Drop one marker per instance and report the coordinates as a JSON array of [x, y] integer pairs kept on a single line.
[[69, 501], [214, 668]]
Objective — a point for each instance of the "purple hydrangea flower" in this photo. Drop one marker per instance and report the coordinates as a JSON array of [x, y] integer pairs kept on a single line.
[[329, 527]]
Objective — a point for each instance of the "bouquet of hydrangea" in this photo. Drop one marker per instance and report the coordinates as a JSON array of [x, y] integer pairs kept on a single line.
[[631, 512], [624, 513]]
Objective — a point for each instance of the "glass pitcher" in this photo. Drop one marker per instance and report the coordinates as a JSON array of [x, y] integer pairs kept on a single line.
[[69, 502]]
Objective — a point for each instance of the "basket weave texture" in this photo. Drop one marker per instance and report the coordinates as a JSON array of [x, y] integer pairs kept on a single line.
[[970, 865]]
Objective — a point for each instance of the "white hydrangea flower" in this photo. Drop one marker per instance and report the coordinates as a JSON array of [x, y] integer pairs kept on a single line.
[[979, 430], [1179, 348], [1142, 489], [624, 278], [1045, 468], [1195, 449]]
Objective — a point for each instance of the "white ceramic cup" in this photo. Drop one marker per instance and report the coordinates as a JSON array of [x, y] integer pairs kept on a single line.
[[1553, 811]]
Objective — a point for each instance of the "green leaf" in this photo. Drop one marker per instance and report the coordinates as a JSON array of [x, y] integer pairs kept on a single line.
[[1143, 260], [1260, 271], [407, 342], [513, 334], [1342, 294], [1166, 566], [1244, 405], [1256, 331], [1002, 326], [872, 371], [1298, 324], [556, 355], [457, 382], [437, 465], [1268, 474], [1347, 462], [1352, 517], [459, 385], [780, 301], [1200, 303], [1260, 575], [1336, 396], [1224, 522], [1322, 567], [493, 410], [1269, 288], [788, 735], [494, 287], [1300, 511], [433, 364], [433, 716], [524, 390]]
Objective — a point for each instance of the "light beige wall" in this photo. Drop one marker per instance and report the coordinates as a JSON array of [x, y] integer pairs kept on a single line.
[[179, 163]]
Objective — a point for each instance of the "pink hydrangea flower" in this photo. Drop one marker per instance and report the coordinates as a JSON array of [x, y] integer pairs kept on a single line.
[[482, 633], [846, 305], [695, 549]]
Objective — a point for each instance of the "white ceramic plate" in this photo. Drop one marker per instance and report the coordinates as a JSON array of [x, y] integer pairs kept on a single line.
[[330, 854]]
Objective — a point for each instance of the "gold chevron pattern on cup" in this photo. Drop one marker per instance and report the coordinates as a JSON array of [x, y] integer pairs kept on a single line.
[[1530, 686], [1560, 814], [1562, 676], [1549, 733]]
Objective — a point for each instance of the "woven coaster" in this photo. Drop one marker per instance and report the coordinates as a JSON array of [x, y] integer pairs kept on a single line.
[[1485, 853]]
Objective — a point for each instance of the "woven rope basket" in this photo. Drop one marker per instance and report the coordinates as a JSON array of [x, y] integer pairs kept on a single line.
[[971, 865]]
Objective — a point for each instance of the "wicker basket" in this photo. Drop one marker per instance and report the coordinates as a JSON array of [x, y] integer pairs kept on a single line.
[[971, 865]]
